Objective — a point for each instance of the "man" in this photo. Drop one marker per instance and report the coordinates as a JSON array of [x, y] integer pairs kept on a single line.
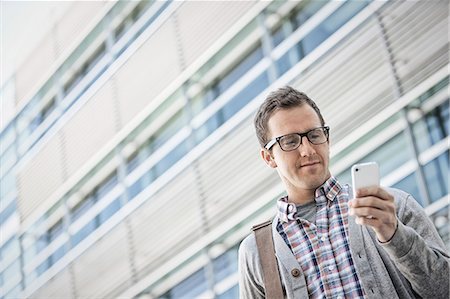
[[329, 243]]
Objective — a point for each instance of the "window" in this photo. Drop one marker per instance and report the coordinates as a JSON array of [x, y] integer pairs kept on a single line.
[[331, 25], [436, 176], [82, 207], [231, 293], [409, 184], [391, 155], [225, 264], [191, 287]]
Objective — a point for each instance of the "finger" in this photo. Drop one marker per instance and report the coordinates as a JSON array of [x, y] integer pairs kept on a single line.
[[374, 191], [367, 212], [366, 221], [369, 201]]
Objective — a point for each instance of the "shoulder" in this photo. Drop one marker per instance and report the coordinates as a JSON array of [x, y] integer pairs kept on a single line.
[[406, 204]]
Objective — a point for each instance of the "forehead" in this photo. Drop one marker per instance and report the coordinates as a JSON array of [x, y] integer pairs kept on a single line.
[[293, 120]]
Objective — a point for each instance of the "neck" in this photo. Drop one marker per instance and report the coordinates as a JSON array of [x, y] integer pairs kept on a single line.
[[300, 196]]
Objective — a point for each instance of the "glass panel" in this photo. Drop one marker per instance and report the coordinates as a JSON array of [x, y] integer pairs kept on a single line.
[[240, 69], [436, 176], [171, 158], [110, 210], [409, 184], [168, 130], [225, 264], [82, 207], [14, 293], [445, 116], [7, 185], [391, 155], [191, 287], [107, 185], [8, 136], [10, 249], [141, 183], [8, 211], [12, 271], [307, 11], [84, 232], [232, 293], [245, 96], [55, 231], [209, 126], [331, 24], [57, 254]]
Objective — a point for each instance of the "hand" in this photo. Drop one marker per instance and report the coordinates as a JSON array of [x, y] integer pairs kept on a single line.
[[374, 207]]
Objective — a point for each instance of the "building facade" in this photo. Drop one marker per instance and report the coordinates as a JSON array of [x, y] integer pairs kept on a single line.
[[130, 167]]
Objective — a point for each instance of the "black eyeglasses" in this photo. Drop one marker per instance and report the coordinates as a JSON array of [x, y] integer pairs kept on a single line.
[[292, 141]]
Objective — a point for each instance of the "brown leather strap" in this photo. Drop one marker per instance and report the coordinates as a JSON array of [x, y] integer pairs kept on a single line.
[[266, 250]]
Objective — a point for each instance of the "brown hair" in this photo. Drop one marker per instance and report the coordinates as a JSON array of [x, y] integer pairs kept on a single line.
[[283, 98]]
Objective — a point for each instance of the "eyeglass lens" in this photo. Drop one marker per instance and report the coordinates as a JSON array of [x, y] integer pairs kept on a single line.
[[293, 141]]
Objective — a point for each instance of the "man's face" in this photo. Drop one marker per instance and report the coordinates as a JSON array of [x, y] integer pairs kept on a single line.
[[306, 167]]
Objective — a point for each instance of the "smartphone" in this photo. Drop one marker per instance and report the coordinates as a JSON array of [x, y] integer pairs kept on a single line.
[[365, 175]]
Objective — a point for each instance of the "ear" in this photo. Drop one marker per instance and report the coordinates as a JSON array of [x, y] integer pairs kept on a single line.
[[268, 158]]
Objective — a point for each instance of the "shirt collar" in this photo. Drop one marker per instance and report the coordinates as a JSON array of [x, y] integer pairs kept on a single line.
[[327, 192]]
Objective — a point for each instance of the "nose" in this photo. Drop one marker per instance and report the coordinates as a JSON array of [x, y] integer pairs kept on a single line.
[[306, 149]]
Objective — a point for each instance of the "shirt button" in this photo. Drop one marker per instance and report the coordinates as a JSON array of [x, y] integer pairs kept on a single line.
[[295, 272], [339, 297], [330, 268], [323, 238]]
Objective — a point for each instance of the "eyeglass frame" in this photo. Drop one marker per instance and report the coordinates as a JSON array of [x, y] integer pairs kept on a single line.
[[272, 142]]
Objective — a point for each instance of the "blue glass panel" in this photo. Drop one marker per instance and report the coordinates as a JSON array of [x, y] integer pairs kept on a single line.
[[8, 158], [391, 155], [8, 211], [106, 186], [58, 254], [445, 117], [409, 184], [7, 185], [307, 11], [436, 176], [84, 232], [245, 96], [43, 267], [82, 207], [225, 264], [191, 287], [288, 60], [14, 293], [332, 24], [231, 293], [9, 250], [243, 67], [209, 126], [171, 158], [110, 210]]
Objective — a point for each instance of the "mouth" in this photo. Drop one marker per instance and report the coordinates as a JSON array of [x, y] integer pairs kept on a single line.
[[308, 164]]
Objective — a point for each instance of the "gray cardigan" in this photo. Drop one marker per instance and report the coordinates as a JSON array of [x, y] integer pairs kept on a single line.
[[414, 264]]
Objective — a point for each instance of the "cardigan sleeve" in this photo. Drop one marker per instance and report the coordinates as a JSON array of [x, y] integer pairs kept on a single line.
[[418, 251]]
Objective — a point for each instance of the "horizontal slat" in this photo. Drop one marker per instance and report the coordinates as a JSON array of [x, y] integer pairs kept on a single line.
[[58, 287], [104, 265], [151, 69], [40, 177], [195, 19], [90, 129]]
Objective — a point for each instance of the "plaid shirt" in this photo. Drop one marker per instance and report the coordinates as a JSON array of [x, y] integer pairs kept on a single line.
[[322, 248]]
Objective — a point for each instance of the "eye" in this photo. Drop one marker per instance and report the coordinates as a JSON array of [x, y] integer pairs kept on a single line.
[[289, 140]]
